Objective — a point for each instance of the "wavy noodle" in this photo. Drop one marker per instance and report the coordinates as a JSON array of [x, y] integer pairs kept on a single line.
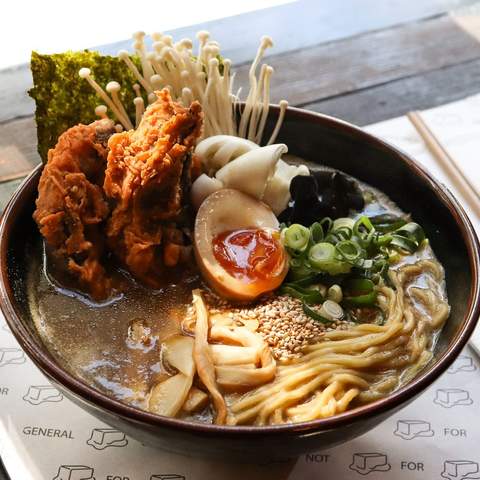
[[361, 364]]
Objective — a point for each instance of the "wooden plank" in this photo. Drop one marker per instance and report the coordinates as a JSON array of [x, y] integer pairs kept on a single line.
[[14, 100], [311, 75], [293, 26], [7, 189], [397, 98], [363, 107], [18, 148], [360, 62], [304, 23]]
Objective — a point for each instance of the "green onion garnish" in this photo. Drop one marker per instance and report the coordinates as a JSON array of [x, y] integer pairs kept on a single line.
[[364, 231], [297, 237], [307, 280], [313, 314], [354, 254], [360, 292], [412, 231], [310, 296], [342, 223], [403, 243], [387, 222], [349, 250], [316, 232], [322, 256]]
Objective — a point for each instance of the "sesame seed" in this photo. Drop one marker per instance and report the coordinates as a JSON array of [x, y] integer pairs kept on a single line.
[[281, 322]]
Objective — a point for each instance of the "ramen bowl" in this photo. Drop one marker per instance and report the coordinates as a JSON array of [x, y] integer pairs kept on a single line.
[[320, 139]]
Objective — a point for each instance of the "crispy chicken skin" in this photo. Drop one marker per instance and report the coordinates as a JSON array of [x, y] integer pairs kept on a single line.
[[123, 191], [143, 182], [71, 205]]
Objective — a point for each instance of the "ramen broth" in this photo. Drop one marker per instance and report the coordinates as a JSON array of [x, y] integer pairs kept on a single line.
[[116, 346], [102, 343]]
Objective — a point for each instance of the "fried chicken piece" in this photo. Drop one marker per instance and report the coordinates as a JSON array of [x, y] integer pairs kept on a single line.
[[147, 173], [71, 205]]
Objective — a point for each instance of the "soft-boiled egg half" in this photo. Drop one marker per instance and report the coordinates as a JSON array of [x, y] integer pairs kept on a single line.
[[237, 245]]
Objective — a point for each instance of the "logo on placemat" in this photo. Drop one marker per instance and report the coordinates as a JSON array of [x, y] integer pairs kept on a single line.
[[460, 470], [365, 463], [38, 394], [463, 363], [102, 438], [74, 472], [451, 397], [11, 356], [408, 429]]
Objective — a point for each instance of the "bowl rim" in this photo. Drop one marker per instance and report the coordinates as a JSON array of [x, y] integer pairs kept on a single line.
[[94, 397]]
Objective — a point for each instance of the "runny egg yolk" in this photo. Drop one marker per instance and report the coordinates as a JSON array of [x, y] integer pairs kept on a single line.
[[249, 254]]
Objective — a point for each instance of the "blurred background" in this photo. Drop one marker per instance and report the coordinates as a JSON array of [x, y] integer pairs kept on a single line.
[[55, 26]]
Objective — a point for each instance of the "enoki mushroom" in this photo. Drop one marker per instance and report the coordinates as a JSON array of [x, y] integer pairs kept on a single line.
[[204, 77]]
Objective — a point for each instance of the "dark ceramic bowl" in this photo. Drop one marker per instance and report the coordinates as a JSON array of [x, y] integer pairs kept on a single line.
[[317, 138]]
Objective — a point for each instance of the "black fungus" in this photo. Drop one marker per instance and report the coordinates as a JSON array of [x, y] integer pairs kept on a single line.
[[322, 194]]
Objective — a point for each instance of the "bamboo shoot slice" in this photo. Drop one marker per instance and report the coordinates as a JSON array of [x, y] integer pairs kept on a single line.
[[203, 357], [233, 355], [240, 335], [237, 377], [196, 400], [166, 398], [224, 320], [178, 352]]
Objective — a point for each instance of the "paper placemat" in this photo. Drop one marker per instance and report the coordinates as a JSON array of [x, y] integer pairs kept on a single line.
[[44, 436]]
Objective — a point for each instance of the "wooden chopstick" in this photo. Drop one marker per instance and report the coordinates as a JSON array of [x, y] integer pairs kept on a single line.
[[463, 184]]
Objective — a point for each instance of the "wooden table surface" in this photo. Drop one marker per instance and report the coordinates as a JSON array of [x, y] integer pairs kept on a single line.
[[361, 60]]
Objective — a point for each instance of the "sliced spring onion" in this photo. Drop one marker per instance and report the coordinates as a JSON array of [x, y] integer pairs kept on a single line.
[[383, 240], [331, 310], [310, 296], [327, 224], [321, 288], [367, 299], [367, 264], [314, 315], [359, 285], [333, 252], [404, 243], [322, 256], [308, 280], [364, 231], [296, 237], [316, 232], [343, 222], [387, 222], [299, 273], [408, 238], [349, 250], [413, 231], [339, 235], [361, 292], [335, 293], [381, 265]]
